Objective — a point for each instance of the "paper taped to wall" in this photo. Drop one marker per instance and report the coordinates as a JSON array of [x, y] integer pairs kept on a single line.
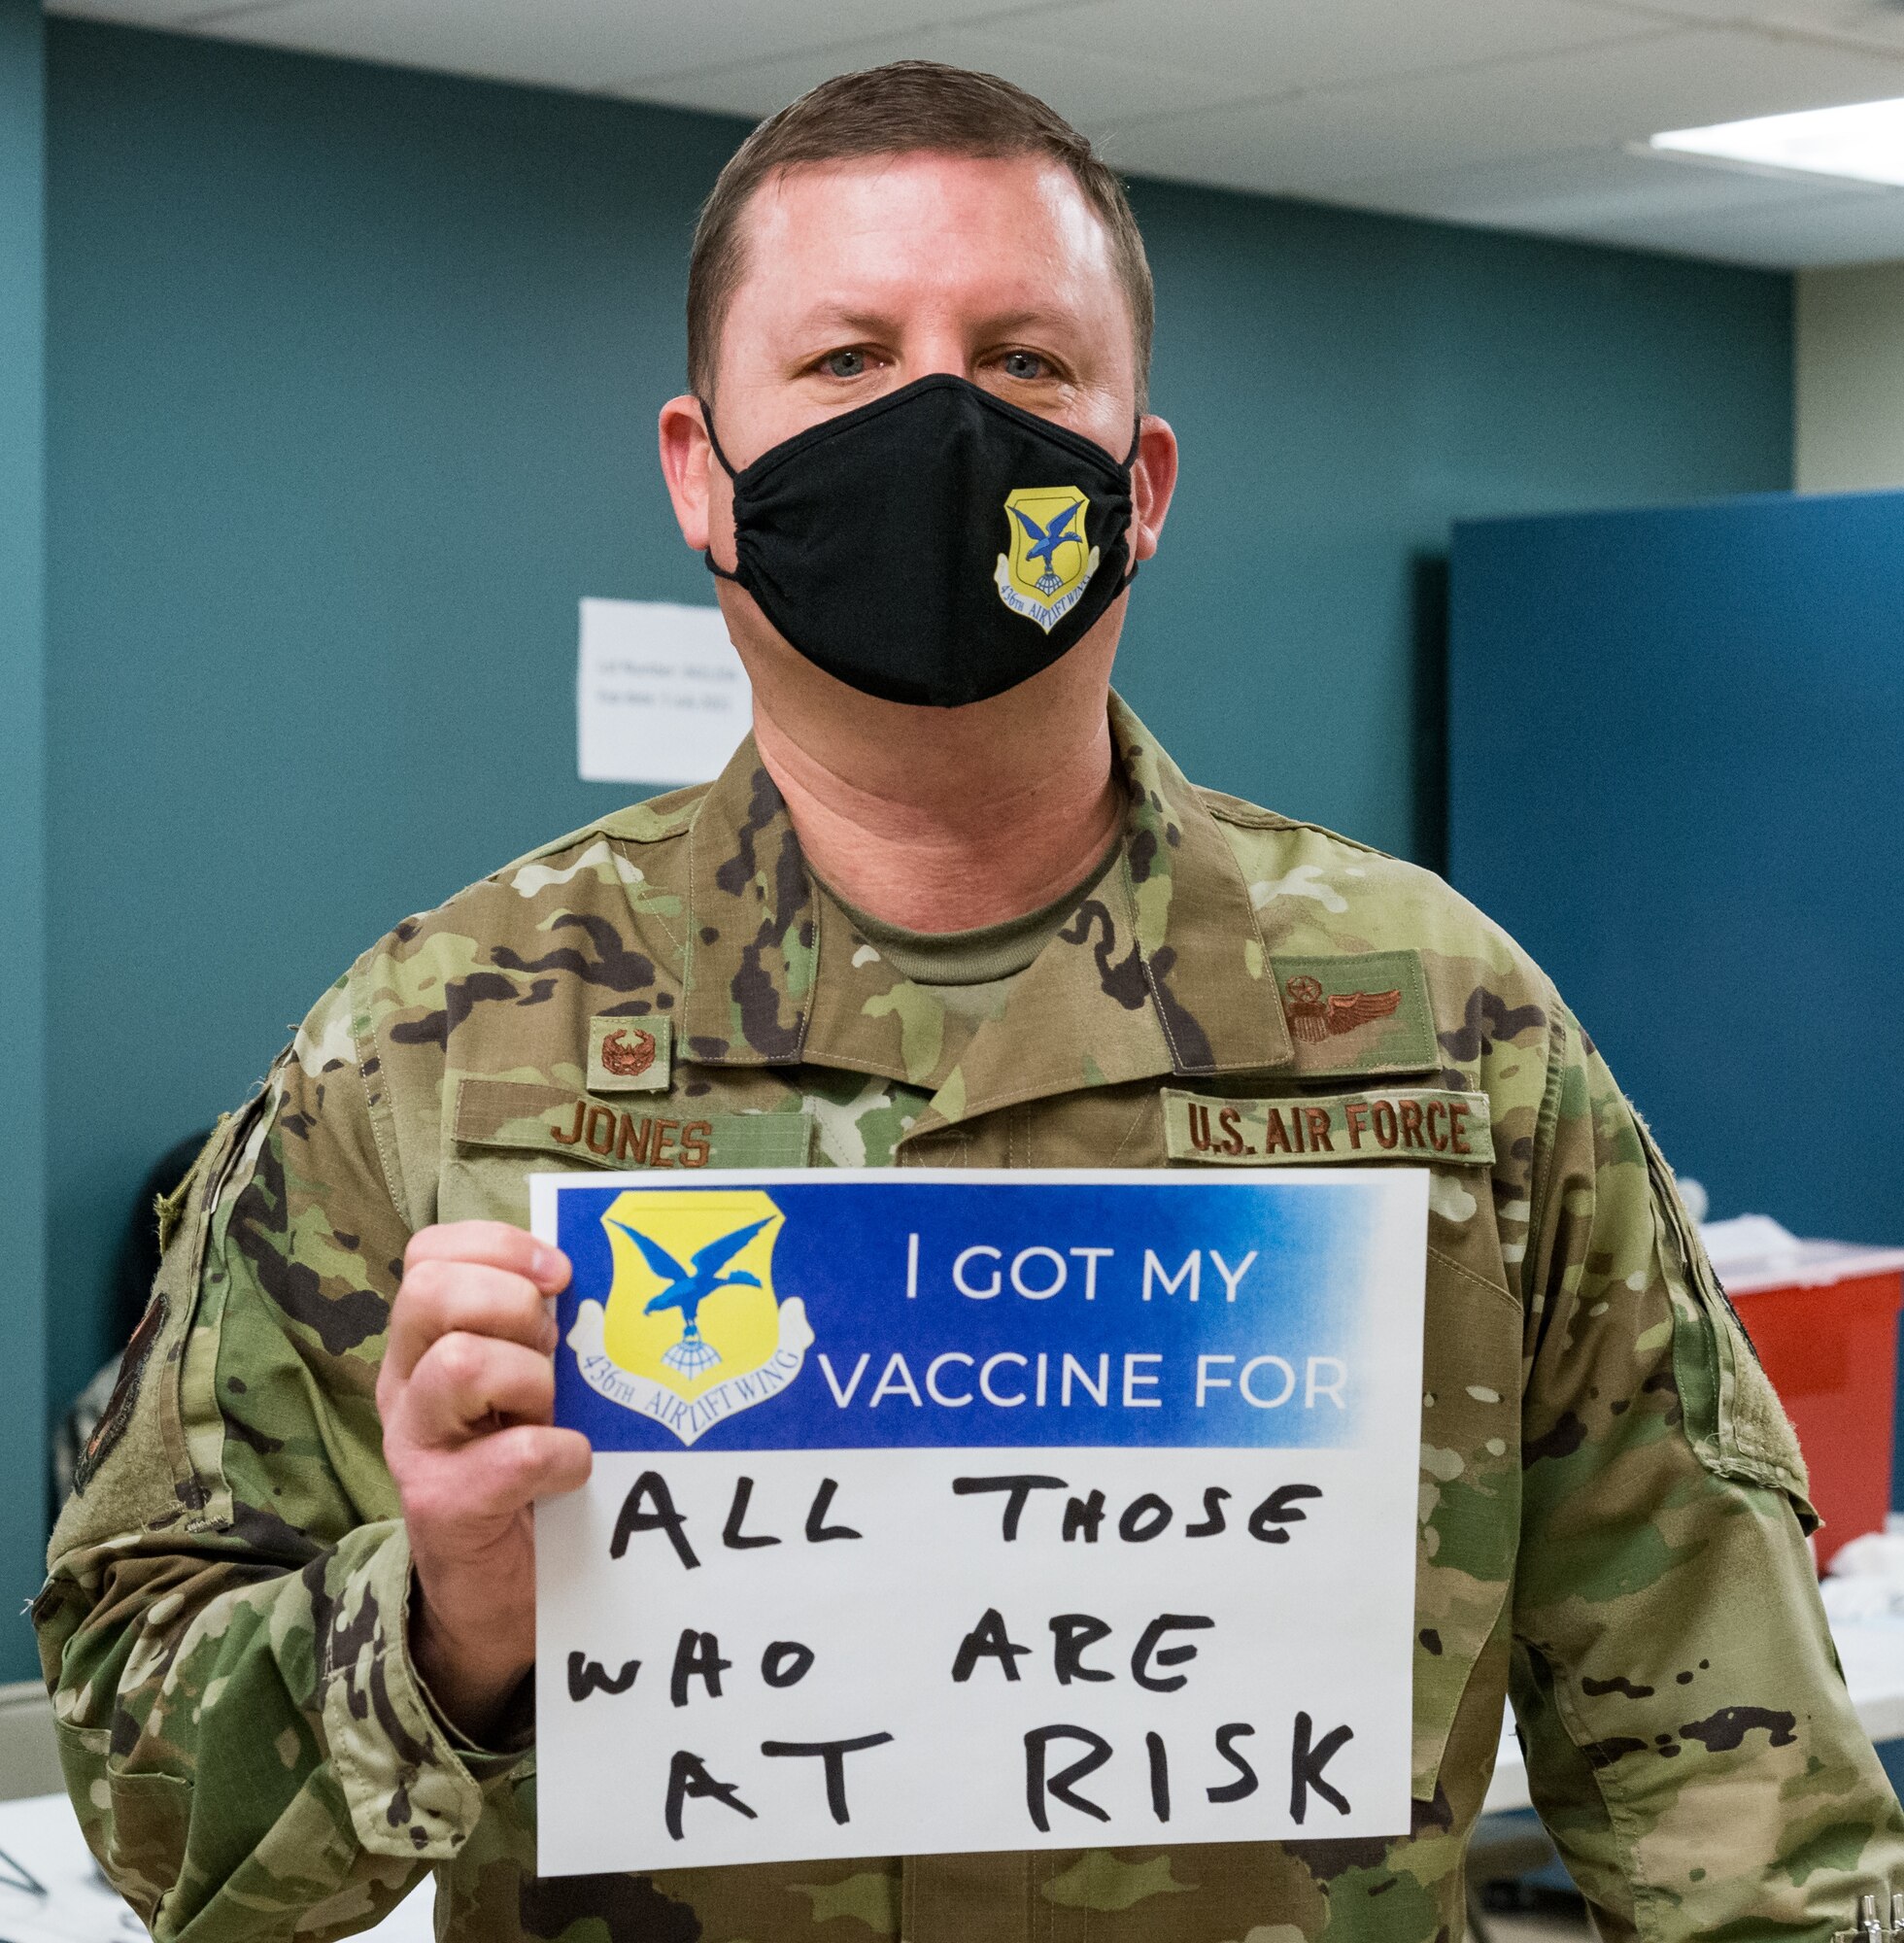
[[660, 695]]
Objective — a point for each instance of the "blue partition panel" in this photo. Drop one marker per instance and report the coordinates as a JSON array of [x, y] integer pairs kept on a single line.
[[1676, 742]]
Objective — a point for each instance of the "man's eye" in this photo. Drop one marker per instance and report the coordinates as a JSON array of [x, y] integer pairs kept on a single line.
[[1023, 364], [844, 364]]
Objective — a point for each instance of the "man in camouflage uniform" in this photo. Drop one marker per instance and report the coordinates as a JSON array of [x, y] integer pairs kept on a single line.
[[284, 1619]]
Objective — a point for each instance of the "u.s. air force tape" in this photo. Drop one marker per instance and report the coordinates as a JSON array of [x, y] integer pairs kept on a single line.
[[1422, 1125]]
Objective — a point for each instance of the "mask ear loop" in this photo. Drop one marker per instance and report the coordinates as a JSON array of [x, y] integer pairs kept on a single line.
[[708, 558], [1130, 460]]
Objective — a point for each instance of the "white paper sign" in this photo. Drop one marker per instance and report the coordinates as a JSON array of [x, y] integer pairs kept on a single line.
[[661, 695], [939, 1512]]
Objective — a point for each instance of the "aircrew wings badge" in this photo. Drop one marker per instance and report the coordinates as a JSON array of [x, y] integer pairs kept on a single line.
[[692, 1330], [1316, 1016], [1049, 560], [1357, 1012]]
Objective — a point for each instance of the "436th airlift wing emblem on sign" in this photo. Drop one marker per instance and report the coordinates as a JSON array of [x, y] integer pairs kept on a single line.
[[692, 1330]]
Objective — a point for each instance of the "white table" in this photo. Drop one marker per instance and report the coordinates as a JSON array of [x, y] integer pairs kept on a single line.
[[51, 1893]]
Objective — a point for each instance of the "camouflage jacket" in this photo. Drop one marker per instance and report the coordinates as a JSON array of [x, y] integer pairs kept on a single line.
[[1611, 1499]]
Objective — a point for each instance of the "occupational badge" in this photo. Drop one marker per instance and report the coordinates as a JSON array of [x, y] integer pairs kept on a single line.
[[692, 1330], [628, 1055], [1049, 560]]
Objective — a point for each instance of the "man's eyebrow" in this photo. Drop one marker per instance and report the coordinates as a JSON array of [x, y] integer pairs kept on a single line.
[[1034, 318], [835, 321], [829, 320]]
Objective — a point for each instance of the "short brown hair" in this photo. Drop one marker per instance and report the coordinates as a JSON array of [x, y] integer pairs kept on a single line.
[[903, 108]]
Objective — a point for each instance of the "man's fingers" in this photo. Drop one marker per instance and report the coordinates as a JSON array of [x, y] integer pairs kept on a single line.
[[530, 1460], [493, 1243], [465, 1386], [439, 1296], [487, 1481]]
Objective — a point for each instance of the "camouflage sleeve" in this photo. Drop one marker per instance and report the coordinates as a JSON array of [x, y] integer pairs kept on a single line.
[[1689, 1741], [223, 1627]]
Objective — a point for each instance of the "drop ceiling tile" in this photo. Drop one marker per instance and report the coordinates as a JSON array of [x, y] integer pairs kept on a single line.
[[1724, 13], [1510, 113], [1090, 88], [1874, 24], [1092, 84], [1316, 142], [1880, 21], [754, 89], [1579, 187], [1275, 46], [1845, 227], [166, 13], [571, 44], [589, 44]]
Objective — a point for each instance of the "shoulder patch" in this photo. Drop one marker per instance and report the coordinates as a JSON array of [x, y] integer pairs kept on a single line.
[[118, 1414]]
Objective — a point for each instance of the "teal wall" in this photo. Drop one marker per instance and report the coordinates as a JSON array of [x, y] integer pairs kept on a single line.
[[352, 394], [24, 1157]]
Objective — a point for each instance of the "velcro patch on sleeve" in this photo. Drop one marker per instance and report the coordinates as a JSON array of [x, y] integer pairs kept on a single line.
[[1422, 1125], [519, 1114]]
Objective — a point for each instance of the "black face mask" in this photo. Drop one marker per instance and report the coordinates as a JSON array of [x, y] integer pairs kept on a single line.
[[936, 546]]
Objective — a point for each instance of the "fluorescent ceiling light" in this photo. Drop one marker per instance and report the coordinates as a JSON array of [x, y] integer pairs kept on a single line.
[[1862, 142]]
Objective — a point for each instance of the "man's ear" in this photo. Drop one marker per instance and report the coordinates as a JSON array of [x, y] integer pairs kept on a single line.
[[1153, 478], [687, 458]]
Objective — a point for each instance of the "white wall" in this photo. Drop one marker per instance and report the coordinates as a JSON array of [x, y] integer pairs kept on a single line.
[[1849, 392]]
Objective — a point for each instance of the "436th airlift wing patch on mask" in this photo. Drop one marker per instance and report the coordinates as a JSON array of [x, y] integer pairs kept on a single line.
[[1364, 1013], [1049, 560]]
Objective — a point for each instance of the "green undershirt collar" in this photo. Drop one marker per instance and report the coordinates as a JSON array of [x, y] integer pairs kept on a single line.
[[991, 955]]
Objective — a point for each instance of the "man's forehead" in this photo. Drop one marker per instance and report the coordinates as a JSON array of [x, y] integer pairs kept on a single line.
[[921, 200]]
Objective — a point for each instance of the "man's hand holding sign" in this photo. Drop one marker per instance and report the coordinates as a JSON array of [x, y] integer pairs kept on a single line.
[[465, 1395], [979, 1511]]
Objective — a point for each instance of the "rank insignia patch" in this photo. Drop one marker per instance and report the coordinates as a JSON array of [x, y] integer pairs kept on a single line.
[[628, 1055], [1049, 558], [1366, 1012]]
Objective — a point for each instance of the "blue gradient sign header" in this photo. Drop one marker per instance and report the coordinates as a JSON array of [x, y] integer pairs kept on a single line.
[[825, 1311]]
